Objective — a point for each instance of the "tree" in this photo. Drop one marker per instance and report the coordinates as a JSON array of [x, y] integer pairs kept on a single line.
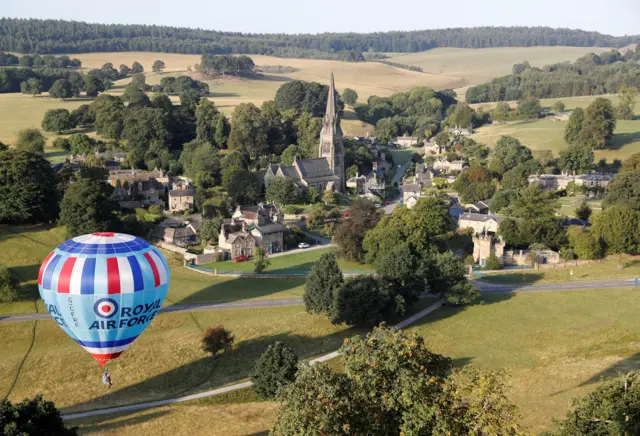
[[93, 85], [529, 108], [137, 68], [80, 144], [210, 229], [544, 229], [216, 340], [577, 158], [462, 293], [324, 280], [533, 202], [627, 104], [492, 262], [508, 153], [516, 178], [124, 70], [392, 384], [109, 112], [281, 191], [599, 123], [8, 286], [583, 211], [61, 144], [631, 164], [144, 125], [32, 416], [617, 227], [350, 97], [624, 189], [305, 97], [501, 112], [140, 80], [190, 98], [248, 131], [88, 206], [206, 119], [27, 188], [476, 184], [31, 86], [260, 261], [30, 140], [350, 233], [135, 96], [83, 116], [275, 368], [61, 88], [244, 187], [583, 243], [558, 106], [574, 126], [610, 409], [360, 301], [157, 67], [330, 197], [57, 120]]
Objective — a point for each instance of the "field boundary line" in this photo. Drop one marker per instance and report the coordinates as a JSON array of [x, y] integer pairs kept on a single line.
[[243, 385]]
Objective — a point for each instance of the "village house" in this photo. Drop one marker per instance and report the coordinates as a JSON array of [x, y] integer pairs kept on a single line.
[[480, 207], [561, 181], [480, 223], [485, 245], [262, 224], [410, 190], [235, 240], [406, 141], [181, 199], [180, 232], [443, 165], [433, 149], [424, 175], [369, 186], [123, 177]]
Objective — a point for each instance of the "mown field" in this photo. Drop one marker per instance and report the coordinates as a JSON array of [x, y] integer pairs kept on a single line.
[[546, 134], [552, 345], [469, 66]]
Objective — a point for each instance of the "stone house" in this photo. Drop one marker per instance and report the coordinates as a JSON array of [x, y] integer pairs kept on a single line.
[[423, 175], [181, 200], [235, 240], [264, 223], [445, 166], [484, 245], [480, 207], [433, 149], [480, 223], [561, 181], [410, 190], [406, 141], [180, 233]]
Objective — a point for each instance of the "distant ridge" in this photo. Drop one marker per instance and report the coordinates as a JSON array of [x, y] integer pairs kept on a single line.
[[59, 36]]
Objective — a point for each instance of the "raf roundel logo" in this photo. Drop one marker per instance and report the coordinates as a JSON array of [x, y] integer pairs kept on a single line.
[[105, 307]]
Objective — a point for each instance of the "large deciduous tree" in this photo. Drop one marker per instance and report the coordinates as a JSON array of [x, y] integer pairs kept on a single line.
[[61, 88], [109, 112], [617, 227], [577, 158], [89, 206], [508, 153], [627, 104], [244, 187], [574, 126], [281, 191], [350, 97], [248, 131], [57, 120], [624, 189], [27, 188], [30, 140], [350, 232], [158, 66], [32, 416]]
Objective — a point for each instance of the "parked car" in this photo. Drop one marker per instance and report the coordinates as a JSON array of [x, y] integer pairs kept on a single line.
[[242, 258], [386, 203], [303, 245], [345, 213]]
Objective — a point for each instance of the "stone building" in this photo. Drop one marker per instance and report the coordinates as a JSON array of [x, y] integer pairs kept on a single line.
[[305, 173], [406, 141], [484, 245], [181, 199], [561, 181], [480, 223]]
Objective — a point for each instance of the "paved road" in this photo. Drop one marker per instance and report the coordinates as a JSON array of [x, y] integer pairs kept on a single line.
[[397, 177], [234, 387], [491, 288], [183, 308]]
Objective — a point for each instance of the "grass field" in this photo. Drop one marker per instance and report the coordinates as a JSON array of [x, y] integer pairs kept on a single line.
[[472, 66], [297, 263], [603, 270], [553, 345], [545, 134]]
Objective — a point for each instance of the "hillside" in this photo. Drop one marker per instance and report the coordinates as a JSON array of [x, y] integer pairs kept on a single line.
[[59, 36]]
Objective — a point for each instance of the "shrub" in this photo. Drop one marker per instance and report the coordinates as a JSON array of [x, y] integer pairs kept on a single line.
[[325, 279], [492, 262], [260, 261], [290, 209], [276, 367], [8, 286], [558, 106], [216, 340]]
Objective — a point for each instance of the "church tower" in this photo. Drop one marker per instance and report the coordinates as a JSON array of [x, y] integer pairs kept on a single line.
[[331, 145]]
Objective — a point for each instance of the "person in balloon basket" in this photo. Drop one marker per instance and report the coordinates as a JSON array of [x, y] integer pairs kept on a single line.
[[106, 378]]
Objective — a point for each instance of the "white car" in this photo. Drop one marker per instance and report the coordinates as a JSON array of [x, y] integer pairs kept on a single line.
[[303, 245]]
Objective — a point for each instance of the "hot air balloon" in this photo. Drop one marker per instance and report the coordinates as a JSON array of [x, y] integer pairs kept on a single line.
[[103, 290]]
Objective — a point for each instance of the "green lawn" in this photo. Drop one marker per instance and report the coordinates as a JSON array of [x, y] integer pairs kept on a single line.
[[568, 205], [603, 270], [296, 263], [553, 345], [401, 157]]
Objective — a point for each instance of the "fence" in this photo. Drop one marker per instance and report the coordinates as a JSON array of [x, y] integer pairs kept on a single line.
[[285, 273]]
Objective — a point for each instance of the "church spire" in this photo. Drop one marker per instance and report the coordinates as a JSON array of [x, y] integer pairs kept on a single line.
[[331, 145], [330, 113]]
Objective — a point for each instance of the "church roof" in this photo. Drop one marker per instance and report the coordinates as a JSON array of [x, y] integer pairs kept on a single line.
[[315, 170]]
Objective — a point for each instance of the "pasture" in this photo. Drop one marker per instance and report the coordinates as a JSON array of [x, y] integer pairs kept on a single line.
[[467, 66], [547, 134], [552, 345]]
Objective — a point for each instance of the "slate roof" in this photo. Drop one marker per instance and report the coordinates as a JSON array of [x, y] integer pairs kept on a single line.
[[271, 228], [182, 193], [411, 187], [316, 170], [479, 217]]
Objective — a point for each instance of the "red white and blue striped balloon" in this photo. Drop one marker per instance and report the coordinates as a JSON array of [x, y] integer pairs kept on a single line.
[[104, 289]]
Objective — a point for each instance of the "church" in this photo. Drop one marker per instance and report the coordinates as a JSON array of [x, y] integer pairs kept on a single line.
[[327, 170]]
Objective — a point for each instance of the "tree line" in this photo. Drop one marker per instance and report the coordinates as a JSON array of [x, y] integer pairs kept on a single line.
[[59, 36], [590, 75], [400, 65], [49, 61]]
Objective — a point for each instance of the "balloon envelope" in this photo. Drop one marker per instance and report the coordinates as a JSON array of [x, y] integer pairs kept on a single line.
[[103, 290]]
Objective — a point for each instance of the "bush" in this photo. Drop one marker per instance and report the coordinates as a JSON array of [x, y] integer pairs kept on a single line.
[[558, 106], [260, 261], [462, 293], [62, 144], [217, 339], [290, 209], [492, 262], [8, 286], [276, 367]]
